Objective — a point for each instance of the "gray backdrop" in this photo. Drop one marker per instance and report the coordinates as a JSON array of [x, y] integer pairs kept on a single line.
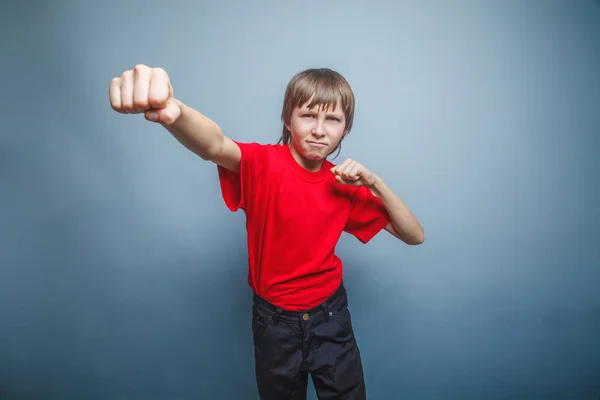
[[123, 275]]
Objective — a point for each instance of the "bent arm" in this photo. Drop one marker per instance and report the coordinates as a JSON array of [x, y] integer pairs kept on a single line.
[[403, 224], [204, 137]]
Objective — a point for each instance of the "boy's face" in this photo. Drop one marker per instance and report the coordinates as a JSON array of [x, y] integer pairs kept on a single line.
[[316, 132]]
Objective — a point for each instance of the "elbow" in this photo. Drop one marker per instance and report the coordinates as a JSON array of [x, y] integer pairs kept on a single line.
[[417, 239]]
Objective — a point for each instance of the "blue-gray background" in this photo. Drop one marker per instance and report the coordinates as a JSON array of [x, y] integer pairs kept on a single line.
[[123, 275]]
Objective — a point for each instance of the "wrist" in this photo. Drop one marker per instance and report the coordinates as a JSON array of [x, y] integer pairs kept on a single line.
[[375, 184]]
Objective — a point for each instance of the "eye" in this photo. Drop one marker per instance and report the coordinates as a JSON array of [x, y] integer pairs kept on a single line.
[[308, 115], [335, 119]]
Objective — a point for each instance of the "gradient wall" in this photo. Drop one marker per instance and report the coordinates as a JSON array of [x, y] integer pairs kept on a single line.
[[123, 275]]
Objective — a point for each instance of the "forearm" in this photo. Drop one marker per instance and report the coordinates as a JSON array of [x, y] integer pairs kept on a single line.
[[404, 223], [196, 132]]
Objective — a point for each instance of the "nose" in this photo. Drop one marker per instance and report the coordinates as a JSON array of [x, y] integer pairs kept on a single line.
[[319, 130]]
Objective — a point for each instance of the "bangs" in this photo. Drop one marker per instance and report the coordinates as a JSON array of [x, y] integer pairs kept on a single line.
[[321, 90]]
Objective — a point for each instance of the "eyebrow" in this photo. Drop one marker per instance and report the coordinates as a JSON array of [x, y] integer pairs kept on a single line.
[[329, 114]]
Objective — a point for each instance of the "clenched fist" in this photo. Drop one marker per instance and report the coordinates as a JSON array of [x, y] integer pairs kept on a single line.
[[145, 90], [352, 173]]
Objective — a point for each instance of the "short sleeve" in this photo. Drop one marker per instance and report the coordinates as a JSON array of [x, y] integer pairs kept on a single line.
[[368, 215], [237, 187]]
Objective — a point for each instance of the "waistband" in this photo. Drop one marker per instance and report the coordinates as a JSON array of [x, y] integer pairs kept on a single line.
[[315, 313]]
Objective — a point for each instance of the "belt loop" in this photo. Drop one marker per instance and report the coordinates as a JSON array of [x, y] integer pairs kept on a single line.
[[277, 315]]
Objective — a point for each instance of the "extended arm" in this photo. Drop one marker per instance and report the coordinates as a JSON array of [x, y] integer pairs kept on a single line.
[[148, 90], [204, 137]]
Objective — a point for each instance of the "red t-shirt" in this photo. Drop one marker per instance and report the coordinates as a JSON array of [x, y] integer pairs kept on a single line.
[[294, 219]]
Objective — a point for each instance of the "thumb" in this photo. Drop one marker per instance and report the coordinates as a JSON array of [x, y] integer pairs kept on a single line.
[[167, 115]]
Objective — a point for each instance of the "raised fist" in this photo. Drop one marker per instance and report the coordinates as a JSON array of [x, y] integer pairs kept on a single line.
[[145, 90]]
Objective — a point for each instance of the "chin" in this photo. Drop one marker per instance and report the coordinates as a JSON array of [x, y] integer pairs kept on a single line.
[[314, 155]]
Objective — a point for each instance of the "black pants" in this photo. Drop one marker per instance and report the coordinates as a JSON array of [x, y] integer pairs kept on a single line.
[[290, 345]]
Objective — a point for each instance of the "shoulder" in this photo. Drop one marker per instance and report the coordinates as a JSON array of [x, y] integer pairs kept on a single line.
[[255, 146], [257, 151]]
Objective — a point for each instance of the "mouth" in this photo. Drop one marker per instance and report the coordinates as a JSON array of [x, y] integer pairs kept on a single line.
[[317, 144]]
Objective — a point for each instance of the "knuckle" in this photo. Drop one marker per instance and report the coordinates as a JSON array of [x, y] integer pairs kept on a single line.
[[127, 104], [160, 73], [155, 98], [141, 70], [140, 103]]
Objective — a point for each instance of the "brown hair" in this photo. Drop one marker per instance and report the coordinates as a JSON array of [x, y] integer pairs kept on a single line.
[[327, 86]]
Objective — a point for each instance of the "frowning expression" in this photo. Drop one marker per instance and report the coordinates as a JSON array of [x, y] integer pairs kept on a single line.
[[316, 131]]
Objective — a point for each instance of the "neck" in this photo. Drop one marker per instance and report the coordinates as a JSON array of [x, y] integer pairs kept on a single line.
[[310, 165]]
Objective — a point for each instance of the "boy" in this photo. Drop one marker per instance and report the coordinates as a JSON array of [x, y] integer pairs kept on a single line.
[[297, 205]]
